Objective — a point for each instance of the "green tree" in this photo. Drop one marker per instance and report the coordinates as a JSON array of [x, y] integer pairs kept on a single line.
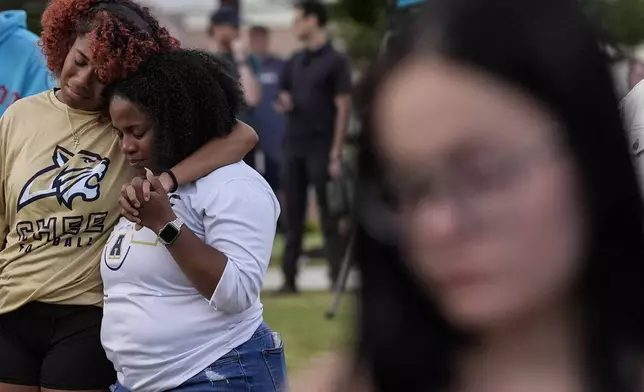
[[622, 20], [361, 24]]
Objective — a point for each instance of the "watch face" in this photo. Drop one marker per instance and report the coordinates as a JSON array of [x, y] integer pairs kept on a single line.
[[168, 234]]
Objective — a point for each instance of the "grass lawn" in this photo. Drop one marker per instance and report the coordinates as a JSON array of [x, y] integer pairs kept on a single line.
[[305, 330]]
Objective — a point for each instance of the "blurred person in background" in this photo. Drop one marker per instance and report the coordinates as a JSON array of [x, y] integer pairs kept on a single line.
[[23, 70], [270, 123], [632, 107], [61, 172], [500, 224], [635, 62], [224, 34], [315, 94], [635, 72]]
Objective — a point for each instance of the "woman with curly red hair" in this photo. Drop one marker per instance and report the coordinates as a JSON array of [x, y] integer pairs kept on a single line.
[[61, 172]]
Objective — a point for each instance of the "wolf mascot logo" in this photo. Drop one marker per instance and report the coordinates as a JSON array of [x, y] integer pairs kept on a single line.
[[81, 180]]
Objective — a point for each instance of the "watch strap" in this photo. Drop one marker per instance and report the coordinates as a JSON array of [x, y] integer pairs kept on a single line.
[[177, 224]]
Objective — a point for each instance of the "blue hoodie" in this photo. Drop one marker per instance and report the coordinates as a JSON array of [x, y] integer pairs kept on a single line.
[[23, 71]]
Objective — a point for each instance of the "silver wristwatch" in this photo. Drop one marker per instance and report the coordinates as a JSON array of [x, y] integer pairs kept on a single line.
[[170, 232]]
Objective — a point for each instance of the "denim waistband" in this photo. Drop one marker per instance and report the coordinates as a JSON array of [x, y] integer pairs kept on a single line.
[[262, 330]]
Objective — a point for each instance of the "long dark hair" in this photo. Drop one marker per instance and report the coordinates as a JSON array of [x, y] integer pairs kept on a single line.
[[550, 50]]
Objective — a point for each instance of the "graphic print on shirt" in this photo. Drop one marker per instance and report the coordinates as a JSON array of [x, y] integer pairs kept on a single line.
[[70, 182], [124, 238], [113, 255], [70, 179], [121, 241], [173, 198]]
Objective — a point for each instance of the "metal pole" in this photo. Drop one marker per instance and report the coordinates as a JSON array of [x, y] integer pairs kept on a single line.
[[341, 283]]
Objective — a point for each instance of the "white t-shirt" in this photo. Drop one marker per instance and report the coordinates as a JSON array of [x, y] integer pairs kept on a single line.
[[632, 107], [157, 329]]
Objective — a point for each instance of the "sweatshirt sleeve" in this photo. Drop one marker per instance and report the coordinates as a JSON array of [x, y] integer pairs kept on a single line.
[[240, 222], [4, 128], [39, 78]]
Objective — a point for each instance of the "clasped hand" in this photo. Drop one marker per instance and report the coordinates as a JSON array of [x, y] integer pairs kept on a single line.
[[144, 201]]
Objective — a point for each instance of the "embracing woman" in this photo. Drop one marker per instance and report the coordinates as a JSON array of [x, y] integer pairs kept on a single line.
[[61, 171], [182, 307]]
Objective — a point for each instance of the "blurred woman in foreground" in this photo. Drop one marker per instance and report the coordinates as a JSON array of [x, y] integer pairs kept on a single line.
[[500, 233]]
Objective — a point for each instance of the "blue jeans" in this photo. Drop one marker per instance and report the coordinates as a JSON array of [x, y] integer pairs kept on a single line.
[[256, 366]]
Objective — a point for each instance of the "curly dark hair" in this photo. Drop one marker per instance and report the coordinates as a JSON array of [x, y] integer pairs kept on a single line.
[[118, 46], [190, 95]]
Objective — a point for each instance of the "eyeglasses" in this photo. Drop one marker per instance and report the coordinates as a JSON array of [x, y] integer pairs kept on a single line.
[[480, 192]]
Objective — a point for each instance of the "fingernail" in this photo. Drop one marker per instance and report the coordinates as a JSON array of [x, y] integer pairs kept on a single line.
[[137, 205], [136, 213]]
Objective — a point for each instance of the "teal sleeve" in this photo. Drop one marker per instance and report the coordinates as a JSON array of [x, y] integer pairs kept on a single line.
[[255, 65], [39, 78]]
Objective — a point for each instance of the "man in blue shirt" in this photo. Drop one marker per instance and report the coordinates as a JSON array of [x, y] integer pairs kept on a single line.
[[23, 71], [270, 124], [224, 33]]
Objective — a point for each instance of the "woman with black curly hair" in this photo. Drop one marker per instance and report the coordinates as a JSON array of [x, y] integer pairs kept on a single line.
[[182, 308], [61, 171]]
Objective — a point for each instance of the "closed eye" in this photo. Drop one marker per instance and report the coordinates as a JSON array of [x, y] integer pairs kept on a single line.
[[139, 135], [80, 59]]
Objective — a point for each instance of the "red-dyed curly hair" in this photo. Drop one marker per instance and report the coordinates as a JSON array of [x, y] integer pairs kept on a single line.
[[117, 46]]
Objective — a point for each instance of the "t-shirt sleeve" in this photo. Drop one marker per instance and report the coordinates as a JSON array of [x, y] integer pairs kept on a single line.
[[240, 221], [342, 75]]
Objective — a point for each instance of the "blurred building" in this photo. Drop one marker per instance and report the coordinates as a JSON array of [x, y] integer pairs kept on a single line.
[[189, 19]]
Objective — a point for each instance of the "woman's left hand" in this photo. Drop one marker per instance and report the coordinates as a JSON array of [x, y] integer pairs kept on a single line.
[[130, 200], [155, 212]]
